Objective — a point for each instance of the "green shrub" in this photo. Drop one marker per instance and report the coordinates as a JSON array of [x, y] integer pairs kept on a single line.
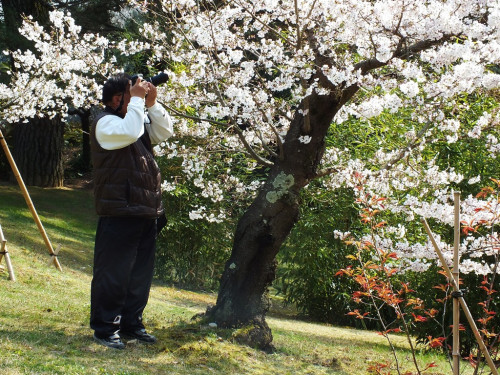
[[312, 255]]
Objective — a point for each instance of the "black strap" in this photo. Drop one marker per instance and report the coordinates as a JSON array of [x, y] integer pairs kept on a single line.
[[458, 293], [146, 141]]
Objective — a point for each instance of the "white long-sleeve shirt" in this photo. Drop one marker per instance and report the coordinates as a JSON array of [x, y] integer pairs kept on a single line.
[[113, 132]]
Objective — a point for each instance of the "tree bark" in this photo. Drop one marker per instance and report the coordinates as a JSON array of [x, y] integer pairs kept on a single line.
[[243, 294], [84, 115], [37, 147], [38, 151]]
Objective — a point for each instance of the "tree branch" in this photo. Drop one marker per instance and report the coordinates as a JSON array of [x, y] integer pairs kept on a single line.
[[278, 139], [276, 32], [231, 124], [410, 146], [402, 53], [266, 147], [250, 149], [195, 118]]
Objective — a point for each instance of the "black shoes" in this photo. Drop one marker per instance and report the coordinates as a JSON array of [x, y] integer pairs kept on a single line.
[[112, 341], [140, 335]]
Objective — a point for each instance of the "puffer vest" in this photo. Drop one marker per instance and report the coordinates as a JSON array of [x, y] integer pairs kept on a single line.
[[127, 181]]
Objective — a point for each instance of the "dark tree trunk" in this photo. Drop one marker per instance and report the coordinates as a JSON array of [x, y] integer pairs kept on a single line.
[[37, 146], [37, 151], [242, 298], [84, 115]]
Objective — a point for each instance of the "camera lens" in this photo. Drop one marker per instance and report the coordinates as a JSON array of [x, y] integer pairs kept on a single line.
[[158, 79]]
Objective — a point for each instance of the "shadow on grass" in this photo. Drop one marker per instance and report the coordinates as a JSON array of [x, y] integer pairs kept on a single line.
[[67, 217], [182, 349]]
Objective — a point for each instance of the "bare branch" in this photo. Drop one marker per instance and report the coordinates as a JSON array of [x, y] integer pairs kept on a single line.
[[250, 149], [410, 146], [266, 147], [278, 138], [274, 31], [310, 10]]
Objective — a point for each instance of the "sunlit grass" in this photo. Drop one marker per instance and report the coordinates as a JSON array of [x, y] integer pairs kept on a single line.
[[44, 314]]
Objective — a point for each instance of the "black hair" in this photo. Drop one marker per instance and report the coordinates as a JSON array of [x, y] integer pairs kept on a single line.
[[116, 84]]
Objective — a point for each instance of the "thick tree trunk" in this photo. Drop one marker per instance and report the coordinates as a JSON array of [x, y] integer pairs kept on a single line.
[[37, 151], [37, 146], [242, 299]]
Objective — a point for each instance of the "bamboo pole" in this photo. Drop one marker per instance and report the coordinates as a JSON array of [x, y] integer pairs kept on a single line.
[[5, 253], [465, 308], [27, 198], [456, 277]]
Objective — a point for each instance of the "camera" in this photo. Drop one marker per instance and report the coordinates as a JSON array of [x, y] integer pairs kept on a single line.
[[156, 80]]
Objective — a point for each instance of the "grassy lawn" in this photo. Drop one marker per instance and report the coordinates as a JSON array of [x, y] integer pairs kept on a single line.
[[44, 314]]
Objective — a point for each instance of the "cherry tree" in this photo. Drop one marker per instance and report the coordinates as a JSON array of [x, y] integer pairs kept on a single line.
[[271, 78]]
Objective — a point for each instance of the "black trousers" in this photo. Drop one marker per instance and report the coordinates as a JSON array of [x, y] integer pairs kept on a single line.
[[123, 272]]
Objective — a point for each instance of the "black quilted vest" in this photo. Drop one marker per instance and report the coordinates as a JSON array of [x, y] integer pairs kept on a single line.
[[127, 181]]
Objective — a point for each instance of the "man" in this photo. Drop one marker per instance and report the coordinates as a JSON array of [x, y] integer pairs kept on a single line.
[[128, 201]]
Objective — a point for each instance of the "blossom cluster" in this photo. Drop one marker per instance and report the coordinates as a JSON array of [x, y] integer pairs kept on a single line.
[[63, 72]]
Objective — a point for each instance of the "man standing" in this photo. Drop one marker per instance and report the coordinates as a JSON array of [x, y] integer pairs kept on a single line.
[[128, 201]]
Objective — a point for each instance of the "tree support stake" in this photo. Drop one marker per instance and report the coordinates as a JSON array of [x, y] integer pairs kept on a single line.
[[27, 198], [461, 300], [5, 253]]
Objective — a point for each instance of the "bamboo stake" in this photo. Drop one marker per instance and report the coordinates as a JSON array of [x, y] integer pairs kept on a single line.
[[465, 308], [29, 202], [456, 276], [4, 252]]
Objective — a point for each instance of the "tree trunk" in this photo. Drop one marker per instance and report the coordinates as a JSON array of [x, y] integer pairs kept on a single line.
[[37, 146], [84, 115], [37, 151], [242, 300]]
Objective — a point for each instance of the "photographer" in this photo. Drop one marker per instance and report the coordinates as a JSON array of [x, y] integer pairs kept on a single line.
[[128, 201]]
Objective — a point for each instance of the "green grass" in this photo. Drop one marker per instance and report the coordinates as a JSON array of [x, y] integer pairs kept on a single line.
[[44, 314]]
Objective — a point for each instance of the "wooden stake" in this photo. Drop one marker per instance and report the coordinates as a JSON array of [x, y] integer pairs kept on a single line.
[[5, 253], [456, 277], [465, 308], [27, 198]]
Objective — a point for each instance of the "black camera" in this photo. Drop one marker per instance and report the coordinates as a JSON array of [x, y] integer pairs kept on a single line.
[[156, 80]]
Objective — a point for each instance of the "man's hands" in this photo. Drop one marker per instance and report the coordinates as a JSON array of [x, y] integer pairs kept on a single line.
[[151, 96], [145, 90], [140, 88]]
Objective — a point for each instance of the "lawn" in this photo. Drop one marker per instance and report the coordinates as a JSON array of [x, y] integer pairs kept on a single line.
[[44, 314]]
